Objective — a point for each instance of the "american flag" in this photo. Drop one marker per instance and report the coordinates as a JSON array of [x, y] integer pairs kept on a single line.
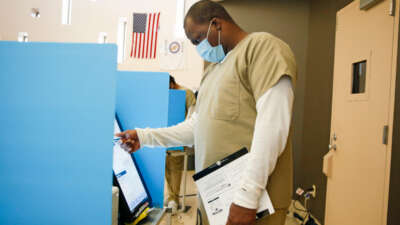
[[144, 36]]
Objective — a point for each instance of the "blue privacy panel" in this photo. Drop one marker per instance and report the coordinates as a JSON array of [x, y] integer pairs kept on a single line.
[[176, 109], [142, 101], [56, 114]]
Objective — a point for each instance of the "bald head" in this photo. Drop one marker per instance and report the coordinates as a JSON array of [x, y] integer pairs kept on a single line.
[[203, 11]]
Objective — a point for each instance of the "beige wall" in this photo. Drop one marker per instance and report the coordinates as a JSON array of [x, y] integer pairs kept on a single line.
[[89, 17], [289, 21], [317, 104], [318, 95]]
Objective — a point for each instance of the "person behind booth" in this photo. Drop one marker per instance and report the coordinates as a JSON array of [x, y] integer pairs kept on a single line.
[[245, 100], [174, 164]]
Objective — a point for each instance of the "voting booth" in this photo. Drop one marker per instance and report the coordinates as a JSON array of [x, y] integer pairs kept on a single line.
[[57, 110], [58, 107], [176, 110], [142, 101], [145, 101]]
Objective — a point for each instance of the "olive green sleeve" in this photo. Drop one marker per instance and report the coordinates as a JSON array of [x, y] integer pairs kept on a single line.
[[268, 60]]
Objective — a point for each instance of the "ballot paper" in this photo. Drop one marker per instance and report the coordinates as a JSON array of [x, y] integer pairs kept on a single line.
[[218, 184]]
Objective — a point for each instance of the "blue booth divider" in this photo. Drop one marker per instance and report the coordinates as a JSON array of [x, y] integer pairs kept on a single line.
[[142, 101], [56, 116], [176, 109]]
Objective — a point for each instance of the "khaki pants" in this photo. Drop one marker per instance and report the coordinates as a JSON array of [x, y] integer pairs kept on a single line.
[[173, 175], [278, 218]]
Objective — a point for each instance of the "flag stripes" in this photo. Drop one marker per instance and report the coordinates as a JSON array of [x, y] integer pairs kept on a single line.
[[155, 43], [144, 36]]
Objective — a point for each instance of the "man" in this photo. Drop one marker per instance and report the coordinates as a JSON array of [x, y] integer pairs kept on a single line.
[[245, 100], [174, 164]]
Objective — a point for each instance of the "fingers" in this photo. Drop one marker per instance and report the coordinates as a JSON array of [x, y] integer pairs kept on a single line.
[[229, 222], [130, 146], [119, 134], [126, 136], [241, 216], [126, 146], [129, 140], [123, 135]]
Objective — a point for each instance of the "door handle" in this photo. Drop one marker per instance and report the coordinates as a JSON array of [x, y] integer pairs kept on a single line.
[[328, 164]]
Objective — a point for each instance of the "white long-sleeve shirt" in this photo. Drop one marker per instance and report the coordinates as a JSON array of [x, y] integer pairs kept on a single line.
[[274, 109]]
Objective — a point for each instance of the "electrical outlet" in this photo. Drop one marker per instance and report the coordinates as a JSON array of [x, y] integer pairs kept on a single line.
[[314, 191]]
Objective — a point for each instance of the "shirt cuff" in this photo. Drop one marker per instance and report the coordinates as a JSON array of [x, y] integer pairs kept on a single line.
[[248, 197], [141, 133]]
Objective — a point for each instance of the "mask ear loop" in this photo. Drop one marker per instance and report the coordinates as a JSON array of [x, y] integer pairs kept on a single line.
[[209, 28], [219, 37]]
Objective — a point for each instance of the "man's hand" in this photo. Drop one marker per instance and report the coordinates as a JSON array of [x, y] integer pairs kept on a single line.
[[130, 140], [241, 216]]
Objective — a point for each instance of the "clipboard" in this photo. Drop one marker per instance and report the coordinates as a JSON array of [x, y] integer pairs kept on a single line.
[[218, 183]]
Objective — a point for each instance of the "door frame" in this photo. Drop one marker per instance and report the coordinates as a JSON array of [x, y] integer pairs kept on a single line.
[[391, 122]]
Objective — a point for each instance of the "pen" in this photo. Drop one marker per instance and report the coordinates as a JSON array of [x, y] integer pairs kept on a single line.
[[117, 140]]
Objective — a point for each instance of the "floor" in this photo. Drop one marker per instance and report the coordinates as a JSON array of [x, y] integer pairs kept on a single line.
[[189, 218]]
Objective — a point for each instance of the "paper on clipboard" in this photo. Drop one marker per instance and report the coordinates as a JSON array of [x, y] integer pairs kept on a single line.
[[218, 183]]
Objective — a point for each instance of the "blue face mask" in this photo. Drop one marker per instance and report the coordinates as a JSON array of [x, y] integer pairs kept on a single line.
[[209, 53]]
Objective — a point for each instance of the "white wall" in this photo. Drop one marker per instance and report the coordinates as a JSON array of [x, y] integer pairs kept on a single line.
[[89, 17]]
